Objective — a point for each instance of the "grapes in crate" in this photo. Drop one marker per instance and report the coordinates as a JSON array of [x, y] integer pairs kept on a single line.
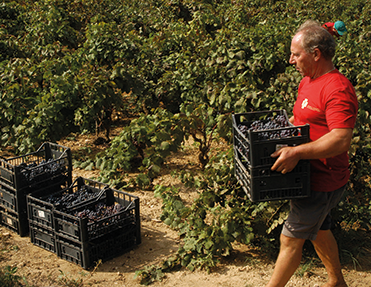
[[99, 211], [67, 200], [270, 128], [31, 171]]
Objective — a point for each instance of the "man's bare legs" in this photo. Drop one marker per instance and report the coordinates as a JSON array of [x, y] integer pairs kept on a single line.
[[287, 262], [290, 256], [327, 250]]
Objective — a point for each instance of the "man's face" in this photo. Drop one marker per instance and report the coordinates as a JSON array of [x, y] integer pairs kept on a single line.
[[304, 62]]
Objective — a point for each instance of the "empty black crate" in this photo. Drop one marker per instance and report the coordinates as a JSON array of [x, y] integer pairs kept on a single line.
[[255, 147], [43, 237], [41, 204], [263, 184], [89, 253], [79, 228]]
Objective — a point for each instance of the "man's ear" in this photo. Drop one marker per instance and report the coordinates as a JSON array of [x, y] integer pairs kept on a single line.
[[317, 54]]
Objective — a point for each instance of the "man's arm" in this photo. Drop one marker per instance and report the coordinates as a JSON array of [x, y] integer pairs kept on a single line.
[[331, 144]]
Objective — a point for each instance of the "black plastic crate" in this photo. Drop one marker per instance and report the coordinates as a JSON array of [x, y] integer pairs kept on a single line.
[[14, 206], [13, 221], [87, 254], [14, 203], [8, 198], [263, 184], [40, 211], [41, 204], [81, 229], [49, 168], [43, 237], [255, 147], [50, 164]]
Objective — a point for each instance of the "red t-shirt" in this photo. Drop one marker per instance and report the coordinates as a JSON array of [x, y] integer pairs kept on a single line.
[[326, 103]]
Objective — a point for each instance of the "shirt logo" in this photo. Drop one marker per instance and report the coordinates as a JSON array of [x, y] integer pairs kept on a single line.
[[305, 104]]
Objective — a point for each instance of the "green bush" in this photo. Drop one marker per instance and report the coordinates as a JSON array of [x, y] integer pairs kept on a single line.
[[181, 68]]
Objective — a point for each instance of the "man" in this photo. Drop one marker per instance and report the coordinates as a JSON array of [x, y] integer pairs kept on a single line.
[[327, 101], [335, 29]]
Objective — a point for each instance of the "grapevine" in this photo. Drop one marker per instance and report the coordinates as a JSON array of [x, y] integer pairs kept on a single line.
[[64, 64]]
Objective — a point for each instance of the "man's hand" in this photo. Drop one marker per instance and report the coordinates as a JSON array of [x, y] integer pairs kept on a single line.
[[287, 159], [331, 144]]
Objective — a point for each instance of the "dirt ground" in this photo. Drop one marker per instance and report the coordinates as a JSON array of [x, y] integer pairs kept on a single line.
[[244, 268]]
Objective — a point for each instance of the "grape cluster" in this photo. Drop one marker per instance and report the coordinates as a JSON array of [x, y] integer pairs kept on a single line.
[[270, 123], [244, 129], [270, 128], [66, 200], [32, 170], [99, 211]]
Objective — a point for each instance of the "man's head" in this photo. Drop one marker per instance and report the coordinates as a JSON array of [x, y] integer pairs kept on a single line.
[[314, 36], [312, 49]]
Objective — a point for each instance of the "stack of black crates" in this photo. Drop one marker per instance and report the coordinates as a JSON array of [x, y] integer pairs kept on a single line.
[[49, 208], [48, 168], [253, 161]]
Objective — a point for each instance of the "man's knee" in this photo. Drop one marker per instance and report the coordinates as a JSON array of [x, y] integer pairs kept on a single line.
[[291, 242]]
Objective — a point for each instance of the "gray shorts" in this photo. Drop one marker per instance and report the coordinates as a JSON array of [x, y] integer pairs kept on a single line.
[[309, 215]]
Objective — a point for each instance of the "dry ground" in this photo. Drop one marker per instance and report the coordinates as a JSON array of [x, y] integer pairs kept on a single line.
[[244, 268]]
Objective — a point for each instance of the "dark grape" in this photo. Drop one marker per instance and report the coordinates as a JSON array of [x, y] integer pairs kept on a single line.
[[31, 171], [66, 200], [270, 128], [99, 211]]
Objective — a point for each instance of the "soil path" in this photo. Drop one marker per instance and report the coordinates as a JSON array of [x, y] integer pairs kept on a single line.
[[243, 268]]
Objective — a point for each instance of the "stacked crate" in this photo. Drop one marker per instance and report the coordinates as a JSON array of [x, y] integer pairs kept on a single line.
[[253, 161], [85, 239], [41, 206], [39, 199], [48, 168], [63, 225]]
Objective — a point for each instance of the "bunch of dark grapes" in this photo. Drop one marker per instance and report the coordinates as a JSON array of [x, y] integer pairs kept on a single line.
[[66, 200], [270, 123], [272, 126], [32, 170], [99, 211]]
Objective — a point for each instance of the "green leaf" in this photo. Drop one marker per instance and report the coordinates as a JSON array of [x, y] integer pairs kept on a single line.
[[165, 145], [189, 244], [168, 221], [209, 244]]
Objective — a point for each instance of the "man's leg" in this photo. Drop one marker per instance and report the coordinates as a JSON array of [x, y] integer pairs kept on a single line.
[[327, 250], [288, 260]]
